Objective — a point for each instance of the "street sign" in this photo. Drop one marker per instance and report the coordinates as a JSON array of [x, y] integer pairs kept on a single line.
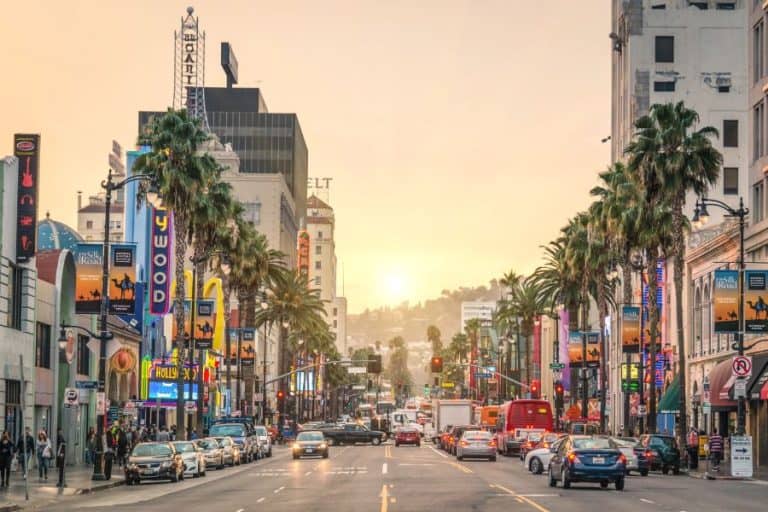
[[358, 387], [101, 403], [740, 388], [447, 385], [641, 410], [86, 384], [356, 369], [741, 456], [71, 397], [741, 366], [557, 366], [114, 413]]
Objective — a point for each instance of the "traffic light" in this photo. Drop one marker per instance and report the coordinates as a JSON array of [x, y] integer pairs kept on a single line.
[[559, 389], [436, 365], [535, 388], [280, 394], [374, 364]]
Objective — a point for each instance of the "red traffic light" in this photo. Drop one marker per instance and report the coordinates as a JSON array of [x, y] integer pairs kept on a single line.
[[559, 388], [535, 388], [436, 365], [280, 394]]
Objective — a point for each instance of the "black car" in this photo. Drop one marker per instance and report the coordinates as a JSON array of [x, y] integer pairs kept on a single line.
[[310, 442], [154, 461], [353, 433], [587, 459], [663, 451]]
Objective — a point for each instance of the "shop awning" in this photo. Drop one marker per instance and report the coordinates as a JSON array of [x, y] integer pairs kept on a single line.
[[670, 400], [759, 380], [720, 383]]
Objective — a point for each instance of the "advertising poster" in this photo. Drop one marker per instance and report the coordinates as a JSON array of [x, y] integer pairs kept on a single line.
[[232, 359], [205, 320], [122, 279], [755, 305], [88, 274], [630, 329], [593, 349], [248, 347], [575, 350], [26, 147], [187, 323], [725, 298], [160, 262], [563, 346], [660, 286]]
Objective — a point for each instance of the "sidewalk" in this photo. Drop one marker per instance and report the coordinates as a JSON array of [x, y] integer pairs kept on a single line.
[[705, 471], [77, 479]]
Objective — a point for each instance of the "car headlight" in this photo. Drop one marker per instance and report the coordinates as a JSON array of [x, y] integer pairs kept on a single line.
[[132, 465], [166, 464], [323, 446]]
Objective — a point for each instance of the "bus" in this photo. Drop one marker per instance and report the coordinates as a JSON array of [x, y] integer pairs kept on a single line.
[[517, 418]]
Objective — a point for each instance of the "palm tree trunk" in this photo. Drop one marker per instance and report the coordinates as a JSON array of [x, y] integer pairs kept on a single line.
[[653, 320], [180, 226], [603, 312], [679, 248], [626, 278]]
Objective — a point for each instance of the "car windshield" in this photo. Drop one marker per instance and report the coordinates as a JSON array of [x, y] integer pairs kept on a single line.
[[261, 431], [151, 450], [310, 436], [208, 444], [624, 442], [184, 447], [591, 443], [228, 430], [476, 435]]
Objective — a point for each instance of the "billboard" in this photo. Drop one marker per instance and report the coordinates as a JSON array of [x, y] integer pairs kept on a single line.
[[725, 298], [576, 348], [26, 147], [248, 347], [187, 323], [205, 320], [160, 261], [630, 329], [303, 253], [89, 259], [162, 390], [755, 305], [122, 279]]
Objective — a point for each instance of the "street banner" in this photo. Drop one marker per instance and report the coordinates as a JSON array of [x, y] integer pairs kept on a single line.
[[630, 329], [593, 349], [187, 323], [160, 262], [725, 297], [232, 356], [755, 305], [88, 275], [576, 349], [122, 279], [205, 320], [248, 347], [26, 147], [645, 330]]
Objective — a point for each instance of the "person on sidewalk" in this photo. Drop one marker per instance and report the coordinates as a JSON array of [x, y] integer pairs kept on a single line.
[[716, 449], [109, 454], [44, 454], [25, 455], [693, 449], [163, 436], [61, 453], [90, 446], [6, 456], [122, 447]]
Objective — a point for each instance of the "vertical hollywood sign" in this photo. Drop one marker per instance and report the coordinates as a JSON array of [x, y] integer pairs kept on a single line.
[[160, 252]]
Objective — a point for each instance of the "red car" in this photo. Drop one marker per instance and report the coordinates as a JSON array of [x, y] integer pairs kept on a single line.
[[406, 435]]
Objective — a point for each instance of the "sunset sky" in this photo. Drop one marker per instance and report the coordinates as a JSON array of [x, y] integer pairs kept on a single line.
[[460, 135]]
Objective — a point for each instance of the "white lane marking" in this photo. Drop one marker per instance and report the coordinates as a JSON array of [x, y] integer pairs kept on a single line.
[[538, 495], [646, 501], [416, 464], [307, 473], [437, 452], [260, 500], [278, 490], [240, 510], [384, 469]]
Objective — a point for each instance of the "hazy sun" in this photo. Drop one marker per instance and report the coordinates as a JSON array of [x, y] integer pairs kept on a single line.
[[395, 286]]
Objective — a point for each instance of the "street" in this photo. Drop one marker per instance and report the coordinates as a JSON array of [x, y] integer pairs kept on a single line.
[[386, 478]]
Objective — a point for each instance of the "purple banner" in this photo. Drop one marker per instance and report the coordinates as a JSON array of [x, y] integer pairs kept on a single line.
[[160, 261]]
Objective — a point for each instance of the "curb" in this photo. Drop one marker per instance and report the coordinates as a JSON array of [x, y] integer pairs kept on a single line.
[[13, 507]]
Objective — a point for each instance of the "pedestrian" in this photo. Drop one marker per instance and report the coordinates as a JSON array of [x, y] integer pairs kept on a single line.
[[122, 446], [163, 436], [173, 432], [106, 441], [6, 456], [44, 454], [61, 454], [90, 446], [25, 447], [715, 449], [693, 448]]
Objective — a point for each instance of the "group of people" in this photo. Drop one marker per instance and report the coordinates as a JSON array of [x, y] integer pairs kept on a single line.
[[27, 448], [715, 444]]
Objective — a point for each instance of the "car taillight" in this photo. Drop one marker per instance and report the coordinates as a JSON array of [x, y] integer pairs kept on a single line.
[[648, 454], [464, 443], [572, 458], [623, 459], [492, 442], [545, 445]]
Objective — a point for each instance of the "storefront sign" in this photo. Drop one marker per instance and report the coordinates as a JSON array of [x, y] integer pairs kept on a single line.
[[755, 305], [160, 262], [725, 297], [630, 329], [168, 372], [122, 279], [26, 147], [88, 276]]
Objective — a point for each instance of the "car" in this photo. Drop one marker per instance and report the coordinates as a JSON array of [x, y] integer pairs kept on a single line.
[[310, 442], [265, 441], [587, 459], [212, 452], [530, 442], [242, 435], [352, 433], [456, 434], [637, 457], [664, 452], [154, 461], [476, 444], [229, 449], [407, 435], [537, 460], [442, 437], [193, 457]]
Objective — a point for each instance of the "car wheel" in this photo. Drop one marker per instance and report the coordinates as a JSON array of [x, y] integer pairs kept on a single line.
[[175, 477], [376, 441], [221, 464], [620, 484], [332, 442], [493, 459], [325, 455], [552, 481], [418, 445], [566, 479], [676, 470], [603, 485], [536, 467], [269, 453], [459, 457], [665, 470], [397, 444], [643, 472]]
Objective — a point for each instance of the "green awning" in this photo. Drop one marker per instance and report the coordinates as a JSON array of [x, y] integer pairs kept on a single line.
[[670, 401]]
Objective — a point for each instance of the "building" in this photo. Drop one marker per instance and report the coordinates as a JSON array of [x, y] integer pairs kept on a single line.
[[480, 310], [90, 219]]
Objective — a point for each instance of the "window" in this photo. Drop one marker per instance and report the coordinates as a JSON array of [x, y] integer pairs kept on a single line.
[[701, 5], [730, 180], [252, 213], [43, 345], [15, 282], [318, 265], [758, 202], [665, 49], [318, 249], [335, 311], [758, 45], [317, 280], [335, 324], [12, 408], [731, 133], [723, 88], [664, 86], [83, 355], [757, 132], [319, 235], [726, 6], [659, 6], [89, 224]]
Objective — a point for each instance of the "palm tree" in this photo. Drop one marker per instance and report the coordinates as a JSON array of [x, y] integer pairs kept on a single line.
[[457, 351], [433, 336], [180, 173]]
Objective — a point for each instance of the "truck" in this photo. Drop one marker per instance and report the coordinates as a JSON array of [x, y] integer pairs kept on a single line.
[[447, 412]]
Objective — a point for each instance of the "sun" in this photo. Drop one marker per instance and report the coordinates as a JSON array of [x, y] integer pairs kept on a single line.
[[395, 286]]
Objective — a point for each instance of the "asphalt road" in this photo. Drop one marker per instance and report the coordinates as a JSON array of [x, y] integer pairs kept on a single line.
[[389, 479]]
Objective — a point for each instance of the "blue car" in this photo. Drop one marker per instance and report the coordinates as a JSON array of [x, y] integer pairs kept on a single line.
[[587, 459]]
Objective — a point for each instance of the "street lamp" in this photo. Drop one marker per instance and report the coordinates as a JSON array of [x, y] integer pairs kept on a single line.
[[701, 217], [264, 305]]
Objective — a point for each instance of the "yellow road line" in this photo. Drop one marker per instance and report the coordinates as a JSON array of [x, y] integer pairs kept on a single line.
[[388, 452], [384, 495], [521, 498], [460, 467]]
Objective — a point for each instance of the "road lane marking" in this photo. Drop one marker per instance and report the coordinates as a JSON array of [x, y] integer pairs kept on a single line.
[[416, 464], [646, 501], [521, 497], [240, 510], [260, 500], [387, 452], [460, 467], [307, 473], [439, 453], [278, 490], [384, 469], [384, 495]]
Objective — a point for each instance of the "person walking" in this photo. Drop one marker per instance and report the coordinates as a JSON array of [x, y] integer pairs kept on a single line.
[[90, 446], [6, 456], [25, 447], [163, 436], [122, 446], [716, 449], [61, 454], [693, 448], [44, 454], [106, 441]]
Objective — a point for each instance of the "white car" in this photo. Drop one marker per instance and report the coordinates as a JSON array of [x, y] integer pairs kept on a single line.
[[265, 442], [193, 457], [537, 461]]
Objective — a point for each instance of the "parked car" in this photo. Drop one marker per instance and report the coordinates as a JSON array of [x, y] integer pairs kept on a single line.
[[193, 457], [637, 457], [310, 442], [587, 459], [212, 452], [476, 444], [537, 460], [265, 441], [353, 433], [154, 461], [230, 450], [664, 452], [407, 435], [241, 434]]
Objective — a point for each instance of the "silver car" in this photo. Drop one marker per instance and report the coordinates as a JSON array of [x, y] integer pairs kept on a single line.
[[193, 457], [476, 443], [265, 442], [212, 452]]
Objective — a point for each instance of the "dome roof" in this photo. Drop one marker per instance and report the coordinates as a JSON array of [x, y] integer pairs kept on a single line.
[[52, 235]]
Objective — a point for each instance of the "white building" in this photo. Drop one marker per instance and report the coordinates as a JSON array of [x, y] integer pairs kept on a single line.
[[483, 311]]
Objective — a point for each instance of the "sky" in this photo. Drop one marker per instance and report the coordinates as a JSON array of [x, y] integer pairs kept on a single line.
[[460, 135]]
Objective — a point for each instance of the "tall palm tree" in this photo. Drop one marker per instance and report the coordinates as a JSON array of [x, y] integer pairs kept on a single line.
[[433, 336], [175, 164]]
